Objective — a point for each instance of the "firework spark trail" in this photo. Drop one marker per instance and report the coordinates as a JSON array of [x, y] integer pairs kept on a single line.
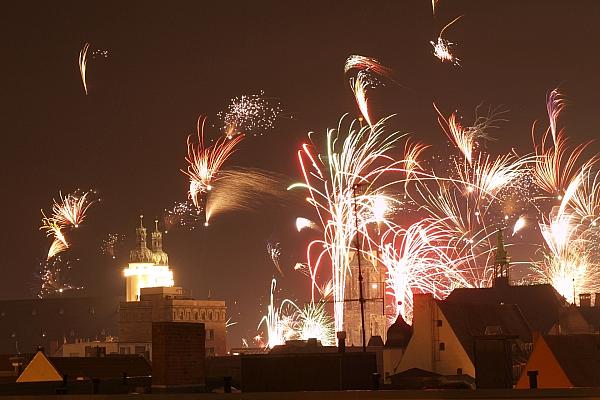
[[57, 246], [557, 165], [315, 323], [419, 260], [305, 223], [433, 5], [83, 66], [567, 265], [412, 154], [366, 64], [441, 48], [361, 159], [519, 224], [586, 199], [554, 105], [71, 209], [204, 163], [54, 276], [274, 251], [54, 229], [462, 138], [359, 87], [280, 322], [245, 189], [250, 114], [288, 322]]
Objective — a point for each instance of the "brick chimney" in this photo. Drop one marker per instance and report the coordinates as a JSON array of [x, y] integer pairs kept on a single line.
[[178, 355], [585, 300]]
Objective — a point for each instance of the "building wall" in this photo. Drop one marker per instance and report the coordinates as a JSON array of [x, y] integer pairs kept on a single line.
[[391, 361], [550, 374], [431, 329], [136, 319]]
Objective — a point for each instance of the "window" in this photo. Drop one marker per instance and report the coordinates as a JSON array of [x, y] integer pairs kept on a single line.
[[123, 350], [174, 315], [210, 351], [210, 315], [442, 346], [222, 315], [196, 315], [210, 334], [140, 349], [438, 322], [181, 315], [458, 371], [202, 315]]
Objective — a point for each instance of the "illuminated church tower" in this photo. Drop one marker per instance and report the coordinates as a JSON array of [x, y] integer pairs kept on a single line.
[[147, 268], [373, 286]]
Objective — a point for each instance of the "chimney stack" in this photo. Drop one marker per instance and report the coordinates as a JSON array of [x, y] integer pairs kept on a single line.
[[585, 300]]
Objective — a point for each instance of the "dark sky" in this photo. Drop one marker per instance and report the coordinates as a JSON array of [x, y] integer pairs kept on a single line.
[[169, 64]]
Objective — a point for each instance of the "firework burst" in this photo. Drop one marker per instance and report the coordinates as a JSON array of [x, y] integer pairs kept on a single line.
[[442, 47], [250, 114], [204, 163]]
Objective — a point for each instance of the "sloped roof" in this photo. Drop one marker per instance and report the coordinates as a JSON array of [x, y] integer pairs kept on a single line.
[[578, 356], [470, 320], [591, 315], [113, 366], [540, 304]]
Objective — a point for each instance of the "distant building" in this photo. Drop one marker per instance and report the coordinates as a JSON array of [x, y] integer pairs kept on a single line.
[[51, 322], [581, 319], [563, 361], [96, 348], [444, 334], [373, 286], [152, 297], [147, 268], [168, 304], [540, 304]]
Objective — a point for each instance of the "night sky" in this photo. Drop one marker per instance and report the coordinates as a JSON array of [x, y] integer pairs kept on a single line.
[[168, 65]]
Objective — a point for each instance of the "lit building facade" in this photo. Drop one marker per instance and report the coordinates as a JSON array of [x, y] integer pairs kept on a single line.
[[147, 267], [169, 304]]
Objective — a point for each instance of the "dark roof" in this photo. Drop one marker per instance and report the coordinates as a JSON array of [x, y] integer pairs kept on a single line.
[[102, 367], [578, 356], [540, 304], [399, 333], [375, 341], [416, 373], [60, 318], [471, 320], [592, 316]]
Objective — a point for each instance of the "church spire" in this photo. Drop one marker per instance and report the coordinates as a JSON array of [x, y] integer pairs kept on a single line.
[[501, 262], [159, 256], [140, 253]]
